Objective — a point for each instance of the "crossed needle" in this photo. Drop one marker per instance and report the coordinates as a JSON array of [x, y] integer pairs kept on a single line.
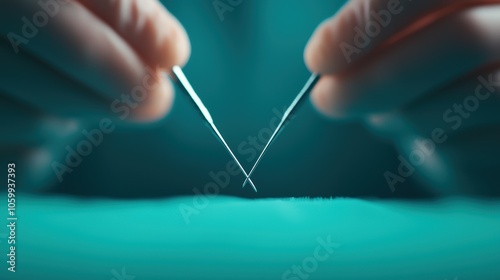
[[183, 82], [299, 99], [186, 86]]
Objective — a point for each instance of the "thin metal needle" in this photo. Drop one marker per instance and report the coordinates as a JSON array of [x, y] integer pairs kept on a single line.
[[288, 113], [184, 84]]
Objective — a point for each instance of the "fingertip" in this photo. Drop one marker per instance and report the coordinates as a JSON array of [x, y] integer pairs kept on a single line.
[[313, 49], [175, 47], [323, 99], [157, 104], [183, 44], [319, 53], [162, 101]]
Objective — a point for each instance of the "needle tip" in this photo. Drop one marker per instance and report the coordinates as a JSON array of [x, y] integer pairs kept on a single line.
[[253, 186]]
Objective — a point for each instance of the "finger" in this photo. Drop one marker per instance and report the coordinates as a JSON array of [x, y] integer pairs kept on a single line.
[[364, 26], [458, 108], [148, 27], [475, 156], [414, 67], [33, 141], [79, 45], [465, 164], [24, 125], [32, 82], [18, 122]]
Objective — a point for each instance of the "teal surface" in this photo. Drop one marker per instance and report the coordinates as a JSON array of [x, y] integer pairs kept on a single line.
[[229, 238]]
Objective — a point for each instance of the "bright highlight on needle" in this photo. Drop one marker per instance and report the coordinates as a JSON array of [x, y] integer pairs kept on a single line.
[[299, 99]]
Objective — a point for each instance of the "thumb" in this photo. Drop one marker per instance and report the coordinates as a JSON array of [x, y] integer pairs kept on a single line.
[[155, 34], [363, 27]]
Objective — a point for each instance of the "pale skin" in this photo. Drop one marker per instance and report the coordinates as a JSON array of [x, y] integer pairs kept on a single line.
[[415, 75], [92, 51], [415, 28], [71, 63]]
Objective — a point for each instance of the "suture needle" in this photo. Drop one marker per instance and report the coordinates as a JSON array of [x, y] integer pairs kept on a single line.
[[186, 86], [299, 99]]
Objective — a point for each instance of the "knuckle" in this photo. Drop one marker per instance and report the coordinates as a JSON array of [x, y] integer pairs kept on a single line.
[[483, 31]]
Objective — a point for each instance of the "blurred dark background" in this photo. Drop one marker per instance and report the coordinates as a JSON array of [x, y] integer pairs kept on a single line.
[[243, 67]]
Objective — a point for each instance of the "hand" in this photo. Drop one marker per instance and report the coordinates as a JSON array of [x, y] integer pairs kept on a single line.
[[425, 74], [64, 61]]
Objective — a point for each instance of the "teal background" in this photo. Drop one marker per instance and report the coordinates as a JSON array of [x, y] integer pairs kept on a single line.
[[242, 68]]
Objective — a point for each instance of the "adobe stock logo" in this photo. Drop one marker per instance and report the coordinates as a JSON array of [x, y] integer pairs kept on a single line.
[[84, 148], [122, 106], [309, 265], [121, 276], [30, 28], [454, 117], [363, 37], [221, 7], [249, 149]]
